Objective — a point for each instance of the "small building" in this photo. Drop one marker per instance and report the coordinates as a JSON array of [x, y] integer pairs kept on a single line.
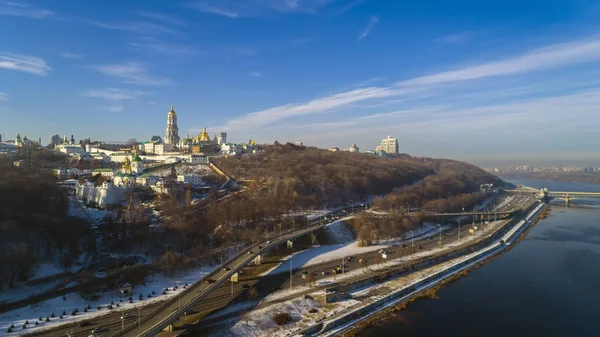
[[105, 172], [190, 179], [146, 180], [198, 159], [353, 149]]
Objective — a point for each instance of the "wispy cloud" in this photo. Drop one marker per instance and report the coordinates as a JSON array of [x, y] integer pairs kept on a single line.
[[300, 40], [256, 74], [162, 47], [167, 19], [114, 108], [372, 22], [3, 96], [114, 94], [131, 72], [348, 6], [138, 27], [543, 58], [69, 55], [11, 8], [28, 64], [208, 8], [250, 8], [312, 107], [456, 38], [554, 56]]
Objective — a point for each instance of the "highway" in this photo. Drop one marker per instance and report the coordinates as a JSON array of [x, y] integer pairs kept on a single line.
[[221, 295]]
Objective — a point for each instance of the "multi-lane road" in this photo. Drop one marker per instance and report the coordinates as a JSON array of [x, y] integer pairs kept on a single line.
[[221, 294]]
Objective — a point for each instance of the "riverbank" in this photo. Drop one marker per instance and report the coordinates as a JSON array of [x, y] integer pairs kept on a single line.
[[478, 259]]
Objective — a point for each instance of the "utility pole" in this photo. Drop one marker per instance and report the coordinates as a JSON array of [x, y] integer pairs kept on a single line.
[[458, 230], [178, 294], [139, 319], [291, 281]]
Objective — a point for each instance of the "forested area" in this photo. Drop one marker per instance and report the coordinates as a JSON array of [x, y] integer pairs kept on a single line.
[[34, 221]]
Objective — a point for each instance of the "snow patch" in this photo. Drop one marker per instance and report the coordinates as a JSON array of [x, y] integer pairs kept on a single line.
[[338, 232]]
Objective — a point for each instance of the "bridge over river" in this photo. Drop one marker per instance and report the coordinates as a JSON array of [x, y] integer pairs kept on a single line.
[[544, 193]]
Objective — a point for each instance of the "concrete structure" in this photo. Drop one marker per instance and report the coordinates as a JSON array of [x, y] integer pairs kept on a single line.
[[172, 133], [389, 145], [103, 196], [221, 138], [55, 140], [334, 149], [197, 159], [232, 149], [190, 179], [105, 172], [353, 148]]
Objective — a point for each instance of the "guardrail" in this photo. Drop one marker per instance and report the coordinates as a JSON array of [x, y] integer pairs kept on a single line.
[[312, 226]]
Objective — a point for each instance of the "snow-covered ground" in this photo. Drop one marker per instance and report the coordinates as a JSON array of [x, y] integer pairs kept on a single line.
[[260, 322], [73, 301], [338, 231], [76, 209]]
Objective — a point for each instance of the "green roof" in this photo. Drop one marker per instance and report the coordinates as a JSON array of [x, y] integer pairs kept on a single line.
[[145, 175], [136, 158], [103, 170]]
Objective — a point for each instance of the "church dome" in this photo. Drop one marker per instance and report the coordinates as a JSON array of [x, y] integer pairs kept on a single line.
[[172, 111]]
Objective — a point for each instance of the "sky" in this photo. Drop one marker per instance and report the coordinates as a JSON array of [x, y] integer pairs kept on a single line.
[[482, 81]]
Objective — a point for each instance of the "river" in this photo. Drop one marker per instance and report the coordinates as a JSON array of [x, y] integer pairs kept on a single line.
[[547, 285]]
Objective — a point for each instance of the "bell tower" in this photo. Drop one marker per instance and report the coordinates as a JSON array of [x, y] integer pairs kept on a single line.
[[172, 134]]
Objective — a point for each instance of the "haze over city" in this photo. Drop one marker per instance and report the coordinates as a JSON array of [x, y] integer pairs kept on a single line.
[[486, 82]]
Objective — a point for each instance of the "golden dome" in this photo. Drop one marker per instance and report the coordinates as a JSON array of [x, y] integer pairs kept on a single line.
[[204, 136], [171, 112]]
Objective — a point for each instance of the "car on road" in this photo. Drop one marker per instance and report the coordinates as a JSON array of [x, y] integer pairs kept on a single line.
[[189, 312], [84, 323], [420, 247], [245, 286], [99, 329], [323, 273], [250, 252], [268, 241], [403, 246], [209, 281], [226, 269], [259, 247], [349, 258], [126, 316]]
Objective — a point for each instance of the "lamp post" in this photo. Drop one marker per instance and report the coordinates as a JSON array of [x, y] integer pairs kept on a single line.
[[458, 221], [440, 243], [139, 319], [412, 239], [178, 294], [291, 280]]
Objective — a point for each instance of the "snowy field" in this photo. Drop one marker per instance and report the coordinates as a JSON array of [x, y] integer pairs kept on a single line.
[[73, 301]]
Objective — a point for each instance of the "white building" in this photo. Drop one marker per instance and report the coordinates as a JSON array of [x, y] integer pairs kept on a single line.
[[198, 159], [232, 149], [70, 149], [353, 148], [146, 180], [105, 172], [8, 148], [389, 145], [105, 195], [221, 138], [190, 179]]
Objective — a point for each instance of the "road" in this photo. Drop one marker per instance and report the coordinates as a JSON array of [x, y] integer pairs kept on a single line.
[[221, 295]]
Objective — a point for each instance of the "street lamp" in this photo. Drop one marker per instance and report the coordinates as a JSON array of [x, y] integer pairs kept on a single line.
[[458, 221], [139, 319], [291, 256], [178, 294], [440, 243], [412, 239]]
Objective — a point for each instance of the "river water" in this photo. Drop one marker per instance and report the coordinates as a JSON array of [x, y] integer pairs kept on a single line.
[[547, 285]]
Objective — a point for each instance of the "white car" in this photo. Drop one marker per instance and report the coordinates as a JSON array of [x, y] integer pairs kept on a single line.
[[127, 315]]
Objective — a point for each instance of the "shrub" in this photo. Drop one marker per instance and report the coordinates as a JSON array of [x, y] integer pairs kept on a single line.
[[12, 326], [37, 323], [24, 326], [141, 297], [98, 307], [130, 301], [153, 293], [88, 307], [313, 310], [26, 321], [85, 310], [47, 319], [74, 313], [282, 318], [9, 330], [40, 318], [52, 315], [61, 316], [110, 306], [164, 292], [63, 313], [112, 302]]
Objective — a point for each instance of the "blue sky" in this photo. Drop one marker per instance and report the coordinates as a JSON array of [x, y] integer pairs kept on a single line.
[[481, 81]]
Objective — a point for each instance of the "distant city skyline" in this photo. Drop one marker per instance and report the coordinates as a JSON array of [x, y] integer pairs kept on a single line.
[[501, 82]]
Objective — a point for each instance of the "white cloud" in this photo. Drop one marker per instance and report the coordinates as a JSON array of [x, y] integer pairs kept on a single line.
[[3, 96], [114, 94], [162, 47], [256, 74], [114, 108], [11, 8], [164, 18], [69, 55], [312, 107], [372, 22], [131, 72], [250, 8], [134, 27], [207, 8], [349, 6], [455, 38], [543, 58], [28, 64]]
